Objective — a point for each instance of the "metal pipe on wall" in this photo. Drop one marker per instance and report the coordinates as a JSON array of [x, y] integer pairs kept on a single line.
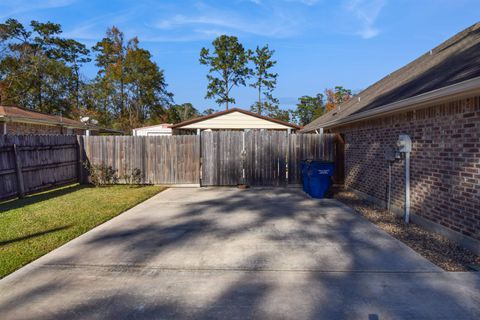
[[404, 144], [407, 187]]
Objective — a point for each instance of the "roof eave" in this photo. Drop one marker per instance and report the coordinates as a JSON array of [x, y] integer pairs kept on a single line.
[[40, 121], [217, 114], [461, 89]]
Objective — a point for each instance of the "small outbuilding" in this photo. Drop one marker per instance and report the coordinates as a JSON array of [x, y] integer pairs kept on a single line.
[[162, 129], [233, 119]]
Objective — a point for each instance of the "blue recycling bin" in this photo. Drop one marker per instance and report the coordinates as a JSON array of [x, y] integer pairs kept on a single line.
[[319, 177]]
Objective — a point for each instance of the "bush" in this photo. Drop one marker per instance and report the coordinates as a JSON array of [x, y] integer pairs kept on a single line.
[[101, 174], [133, 176]]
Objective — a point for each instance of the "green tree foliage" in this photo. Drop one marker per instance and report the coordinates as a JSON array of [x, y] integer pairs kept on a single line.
[[279, 114], [39, 68], [228, 68], [336, 96], [181, 112], [308, 109], [209, 111], [265, 80], [130, 87]]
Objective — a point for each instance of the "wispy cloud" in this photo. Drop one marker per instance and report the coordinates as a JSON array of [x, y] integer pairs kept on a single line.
[[306, 2], [10, 8], [213, 21], [367, 12]]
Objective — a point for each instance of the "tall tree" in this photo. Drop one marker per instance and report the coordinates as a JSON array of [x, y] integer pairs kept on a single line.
[[228, 68], [265, 80], [131, 88], [308, 108], [110, 60], [182, 112], [336, 96], [36, 67], [75, 54], [209, 111]]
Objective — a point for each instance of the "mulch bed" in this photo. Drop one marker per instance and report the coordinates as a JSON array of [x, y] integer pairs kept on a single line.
[[436, 248]]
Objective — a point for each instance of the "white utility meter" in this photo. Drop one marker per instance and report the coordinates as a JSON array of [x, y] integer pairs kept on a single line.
[[404, 143]]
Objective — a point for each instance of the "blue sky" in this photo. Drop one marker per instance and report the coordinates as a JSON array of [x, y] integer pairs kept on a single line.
[[318, 43]]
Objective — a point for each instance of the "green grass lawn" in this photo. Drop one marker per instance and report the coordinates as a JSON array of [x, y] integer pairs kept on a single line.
[[34, 226]]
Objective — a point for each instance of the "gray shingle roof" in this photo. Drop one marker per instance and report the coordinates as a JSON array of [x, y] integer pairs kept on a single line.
[[453, 61]]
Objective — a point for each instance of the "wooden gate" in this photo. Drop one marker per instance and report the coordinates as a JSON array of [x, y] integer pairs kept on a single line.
[[270, 158], [222, 158], [266, 158]]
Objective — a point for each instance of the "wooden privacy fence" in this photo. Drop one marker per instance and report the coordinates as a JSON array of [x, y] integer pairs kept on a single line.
[[161, 159], [255, 158], [33, 163]]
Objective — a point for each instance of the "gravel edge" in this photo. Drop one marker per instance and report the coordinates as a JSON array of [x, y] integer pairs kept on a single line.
[[441, 251]]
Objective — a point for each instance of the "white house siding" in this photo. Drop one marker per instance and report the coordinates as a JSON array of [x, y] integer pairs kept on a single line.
[[159, 130], [235, 120]]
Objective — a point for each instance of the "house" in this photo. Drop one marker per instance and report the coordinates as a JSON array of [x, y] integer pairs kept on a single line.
[[436, 101], [156, 130], [232, 119], [17, 120]]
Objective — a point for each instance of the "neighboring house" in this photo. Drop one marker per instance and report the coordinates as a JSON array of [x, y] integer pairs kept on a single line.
[[232, 119], [16, 120], [156, 130], [436, 100]]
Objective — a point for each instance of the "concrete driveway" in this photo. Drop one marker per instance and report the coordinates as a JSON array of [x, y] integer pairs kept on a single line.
[[224, 253]]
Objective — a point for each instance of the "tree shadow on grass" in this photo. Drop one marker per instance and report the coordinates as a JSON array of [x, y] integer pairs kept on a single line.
[[33, 235], [39, 197]]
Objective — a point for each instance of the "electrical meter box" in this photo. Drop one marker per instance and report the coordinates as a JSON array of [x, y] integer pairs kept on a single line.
[[404, 143]]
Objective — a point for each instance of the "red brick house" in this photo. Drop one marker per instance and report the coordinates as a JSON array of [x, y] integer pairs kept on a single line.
[[17, 120], [436, 101]]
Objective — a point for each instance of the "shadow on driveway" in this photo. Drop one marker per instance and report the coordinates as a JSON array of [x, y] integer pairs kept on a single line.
[[225, 253]]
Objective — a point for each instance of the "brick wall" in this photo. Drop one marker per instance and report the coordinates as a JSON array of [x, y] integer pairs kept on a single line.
[[28, 128], [445, 162]]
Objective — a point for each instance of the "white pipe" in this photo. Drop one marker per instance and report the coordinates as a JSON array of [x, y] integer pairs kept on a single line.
[[407, 187]]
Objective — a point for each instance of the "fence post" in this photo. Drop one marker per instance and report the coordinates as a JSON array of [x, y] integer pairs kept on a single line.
[[339, 158], [18, 169], [81, 159], [200, 168]]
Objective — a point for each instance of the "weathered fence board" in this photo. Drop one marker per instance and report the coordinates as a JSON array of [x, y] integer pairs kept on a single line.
[[308, 146], [34, 163], [162, 160], [266, 158], [256, 158], [222, 158]]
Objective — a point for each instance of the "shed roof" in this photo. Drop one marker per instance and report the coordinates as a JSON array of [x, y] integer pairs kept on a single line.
[[160, 125], [221, 113], [452, 62]]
